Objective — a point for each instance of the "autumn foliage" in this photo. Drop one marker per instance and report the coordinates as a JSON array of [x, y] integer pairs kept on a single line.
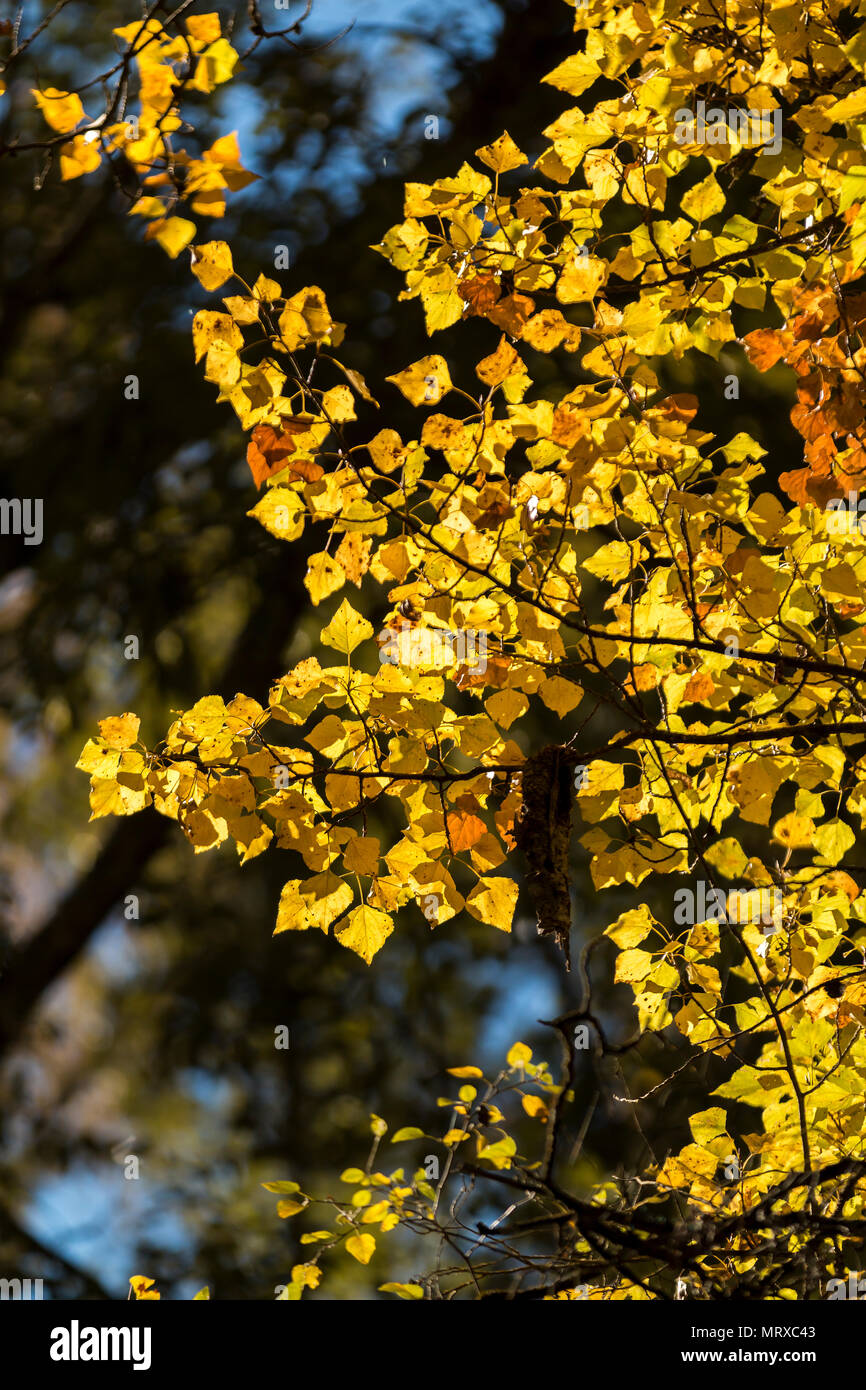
[[621, 563]]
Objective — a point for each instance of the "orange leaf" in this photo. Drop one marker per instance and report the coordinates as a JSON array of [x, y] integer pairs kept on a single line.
[[700, 687], [765, 347], [464, 831], [513, 313], [683, 407]]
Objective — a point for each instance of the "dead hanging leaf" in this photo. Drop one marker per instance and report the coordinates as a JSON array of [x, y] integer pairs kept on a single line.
[[269, 449], [542, 834]]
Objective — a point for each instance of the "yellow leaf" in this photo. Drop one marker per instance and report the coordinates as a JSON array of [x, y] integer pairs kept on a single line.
[[703, 200], [212, 264], [505, 706], [346, 629], [98, 760], [519, 1054], [630, 928], [315, 903], [502, 155], [853, 187], [580, 280], [728, 857], [106, 798], [833, 840], [499, 1154], [403, 1290], [142, 1287], [697, 1162], [308, 1276], [366, 931], [289, 1207], [79, 157], [632, 966], [173, 234], [574, 75], [493, 901], [215, 65], [120, 730], [795, 832], [442, 304], [62, 110], [205, 28], [708, 1125], [500, 365], [338, 404], [307, 319], [361, 855], [281, 512], [325, 576], [362, 1248], [377, 1212], [353, 555], [210, 327], [425, 382], [560, 695]]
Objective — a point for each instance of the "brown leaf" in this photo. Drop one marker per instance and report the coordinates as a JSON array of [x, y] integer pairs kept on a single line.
[[512, 313], [480, 292], [269, 449]]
